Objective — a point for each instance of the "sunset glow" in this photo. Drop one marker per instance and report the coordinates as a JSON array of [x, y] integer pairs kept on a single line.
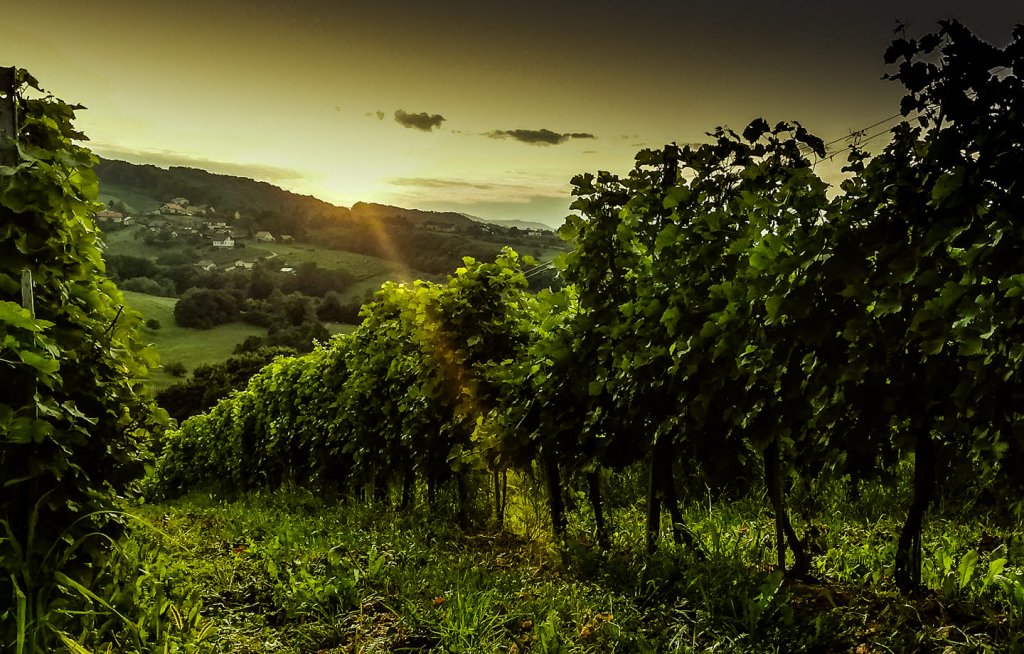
[[454, 106]]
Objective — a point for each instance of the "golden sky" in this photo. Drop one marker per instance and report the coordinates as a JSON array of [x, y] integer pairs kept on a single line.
[[464, 106]]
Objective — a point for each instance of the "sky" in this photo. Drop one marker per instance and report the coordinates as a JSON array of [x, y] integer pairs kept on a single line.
[[483, 108]]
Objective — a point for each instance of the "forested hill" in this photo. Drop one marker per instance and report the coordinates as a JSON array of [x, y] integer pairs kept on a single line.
[[371, 210], [225, 192], [228, 193]]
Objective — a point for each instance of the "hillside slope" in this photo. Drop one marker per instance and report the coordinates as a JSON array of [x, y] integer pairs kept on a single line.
[[224, 192]]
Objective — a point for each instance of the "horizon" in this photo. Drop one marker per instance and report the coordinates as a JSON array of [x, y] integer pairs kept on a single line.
[[455, 107]]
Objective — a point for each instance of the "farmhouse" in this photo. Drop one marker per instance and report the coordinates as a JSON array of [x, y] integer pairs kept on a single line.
[[206, 264], [265, 237], [223, 240], [105, 215], [174, 209], [244, 265]]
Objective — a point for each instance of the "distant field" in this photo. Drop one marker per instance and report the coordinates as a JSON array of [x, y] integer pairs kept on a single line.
[[367, 271], [137, 202], [189, 346], [358, 265]]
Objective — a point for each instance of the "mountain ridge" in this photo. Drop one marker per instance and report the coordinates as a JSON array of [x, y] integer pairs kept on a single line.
[[248, 195]]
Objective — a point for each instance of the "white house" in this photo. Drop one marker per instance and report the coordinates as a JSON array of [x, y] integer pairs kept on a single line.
[[265, 237], [223, 240]]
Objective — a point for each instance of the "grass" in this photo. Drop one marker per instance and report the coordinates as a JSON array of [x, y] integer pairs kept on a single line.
[[292, 571], [190, 347], [139, 203]]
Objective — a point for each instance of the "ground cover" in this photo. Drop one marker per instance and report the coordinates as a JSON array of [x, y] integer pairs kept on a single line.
[[138, 202], [295, 572]]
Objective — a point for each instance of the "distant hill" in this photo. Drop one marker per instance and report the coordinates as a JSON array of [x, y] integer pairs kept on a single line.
[[520, 224], [146, 186], [226, 193], [381, 212]]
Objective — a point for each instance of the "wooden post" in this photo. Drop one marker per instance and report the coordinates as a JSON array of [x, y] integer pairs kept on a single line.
[[28, 300], [8, 118]]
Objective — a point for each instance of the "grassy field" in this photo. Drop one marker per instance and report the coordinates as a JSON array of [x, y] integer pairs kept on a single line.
[[294, 571], [138, 203], [191, 347]]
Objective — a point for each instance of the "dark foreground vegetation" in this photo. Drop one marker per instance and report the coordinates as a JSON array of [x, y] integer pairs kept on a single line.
[[820, 392]]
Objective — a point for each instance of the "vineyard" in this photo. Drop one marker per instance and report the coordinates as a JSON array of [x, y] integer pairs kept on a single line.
[[815, 390]]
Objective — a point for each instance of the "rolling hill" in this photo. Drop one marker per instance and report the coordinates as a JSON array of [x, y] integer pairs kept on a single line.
[[145, 186]]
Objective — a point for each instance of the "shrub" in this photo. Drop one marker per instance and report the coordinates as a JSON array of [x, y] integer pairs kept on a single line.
[[176, 369], [202, 308]]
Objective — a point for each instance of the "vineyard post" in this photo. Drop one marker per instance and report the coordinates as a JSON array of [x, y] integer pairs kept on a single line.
[[8, 118], [28, 300], [9, 157]]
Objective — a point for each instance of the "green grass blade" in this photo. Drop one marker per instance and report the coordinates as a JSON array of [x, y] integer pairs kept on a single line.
[[20, 600]]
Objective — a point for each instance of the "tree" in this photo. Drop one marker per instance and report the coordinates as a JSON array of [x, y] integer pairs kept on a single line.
[[936, 226], [202, 308], [261, 284]]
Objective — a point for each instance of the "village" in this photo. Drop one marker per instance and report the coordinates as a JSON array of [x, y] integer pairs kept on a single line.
[[178, 222]]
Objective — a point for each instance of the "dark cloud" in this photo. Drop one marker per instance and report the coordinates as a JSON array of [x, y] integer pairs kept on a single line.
[[422, 121], [538, 136]]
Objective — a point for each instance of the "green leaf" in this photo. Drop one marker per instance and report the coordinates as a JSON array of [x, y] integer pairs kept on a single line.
[[15, 315], [709, 329], [946, 185], [670, 319], [970, 346], [667, 236], [40, 363], [966, 568]]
